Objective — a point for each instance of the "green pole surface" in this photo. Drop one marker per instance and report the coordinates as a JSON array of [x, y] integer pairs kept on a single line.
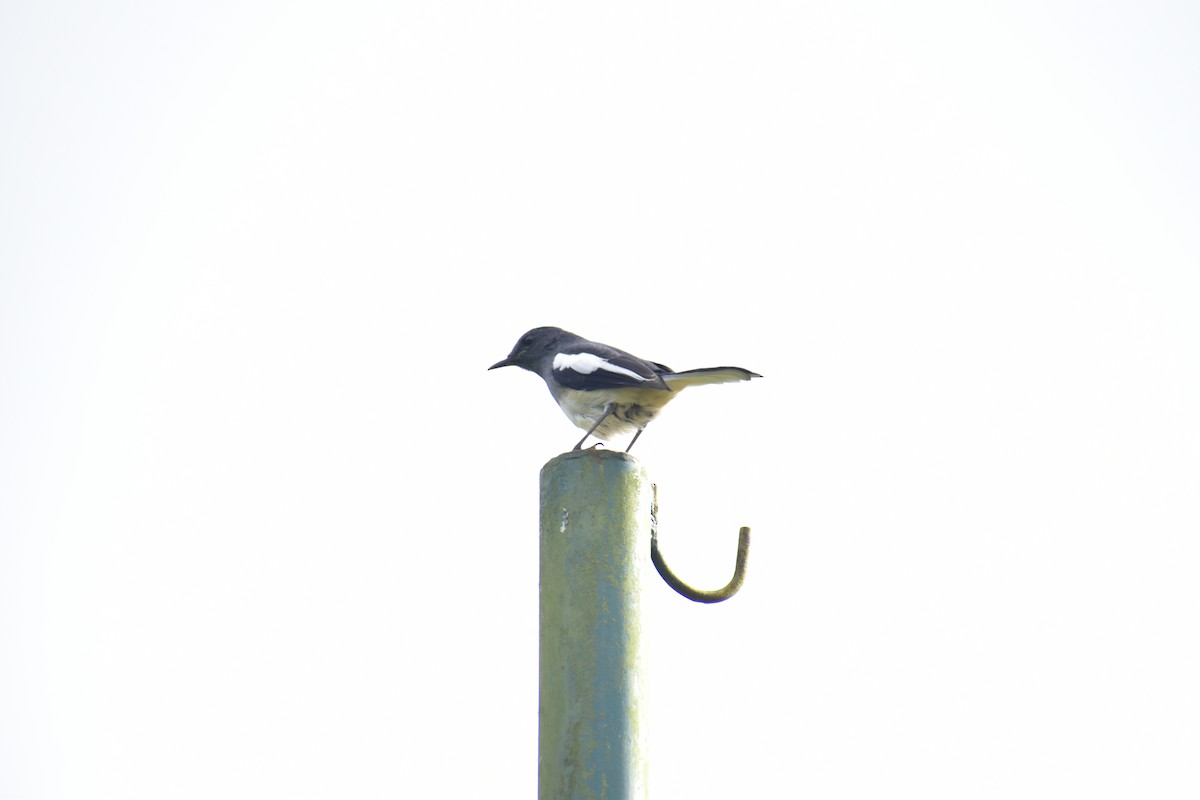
[[595, 539]]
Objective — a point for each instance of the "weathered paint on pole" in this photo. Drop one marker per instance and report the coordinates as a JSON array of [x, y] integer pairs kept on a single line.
[[595, 534]]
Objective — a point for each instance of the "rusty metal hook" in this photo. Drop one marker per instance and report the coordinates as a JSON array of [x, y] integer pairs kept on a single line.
[[691, 593]]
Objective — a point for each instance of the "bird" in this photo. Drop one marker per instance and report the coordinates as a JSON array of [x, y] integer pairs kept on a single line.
[[602, 390]]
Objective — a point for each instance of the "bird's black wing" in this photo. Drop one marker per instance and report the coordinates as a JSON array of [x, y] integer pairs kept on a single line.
[[586, 366]]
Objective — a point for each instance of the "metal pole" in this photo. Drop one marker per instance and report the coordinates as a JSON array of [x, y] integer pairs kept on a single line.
[[595, 531]]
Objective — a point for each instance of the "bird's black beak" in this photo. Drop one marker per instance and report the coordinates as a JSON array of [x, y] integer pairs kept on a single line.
[[508, 362]]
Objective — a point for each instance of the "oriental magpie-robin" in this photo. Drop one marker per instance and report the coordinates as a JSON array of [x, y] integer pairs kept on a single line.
[[603, 390]]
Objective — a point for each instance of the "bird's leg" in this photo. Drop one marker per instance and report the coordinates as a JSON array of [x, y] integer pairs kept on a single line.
[[634, 439], [607, 410]]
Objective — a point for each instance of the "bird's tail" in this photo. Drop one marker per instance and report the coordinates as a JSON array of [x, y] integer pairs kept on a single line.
[[700, 377]]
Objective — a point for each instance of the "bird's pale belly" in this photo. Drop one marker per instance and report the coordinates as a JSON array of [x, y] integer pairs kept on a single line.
[[632, 411]]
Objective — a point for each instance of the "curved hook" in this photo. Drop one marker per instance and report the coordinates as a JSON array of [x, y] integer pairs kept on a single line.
[[699, 595]]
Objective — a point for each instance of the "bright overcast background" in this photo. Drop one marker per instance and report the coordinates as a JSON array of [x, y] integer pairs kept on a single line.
[[268, 527]]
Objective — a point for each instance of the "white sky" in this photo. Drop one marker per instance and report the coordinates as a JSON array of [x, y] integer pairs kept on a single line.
[[269, 529]]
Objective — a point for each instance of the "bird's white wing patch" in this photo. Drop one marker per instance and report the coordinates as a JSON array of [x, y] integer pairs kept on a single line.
[[587, 363]]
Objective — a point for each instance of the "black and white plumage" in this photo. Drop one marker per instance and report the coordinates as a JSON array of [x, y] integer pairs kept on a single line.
[[603, 390]]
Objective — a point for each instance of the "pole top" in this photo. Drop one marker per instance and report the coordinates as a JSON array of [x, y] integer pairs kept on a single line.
[[596, 454]]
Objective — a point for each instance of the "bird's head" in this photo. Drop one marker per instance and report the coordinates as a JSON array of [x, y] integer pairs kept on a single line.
[[532, 348]]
